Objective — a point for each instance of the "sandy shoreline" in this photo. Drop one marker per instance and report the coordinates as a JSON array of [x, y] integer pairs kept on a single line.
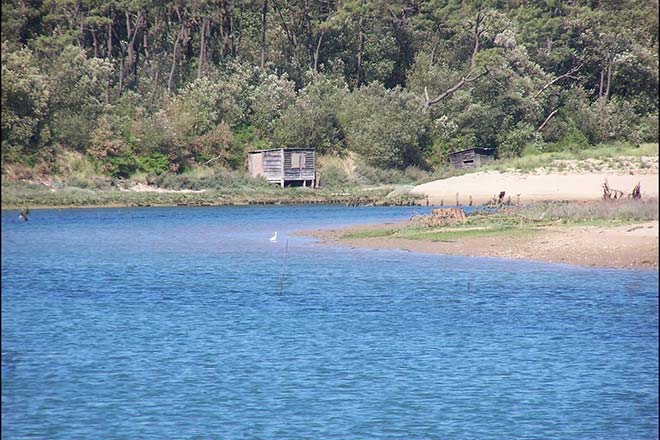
[[623, 246], [481, 187]]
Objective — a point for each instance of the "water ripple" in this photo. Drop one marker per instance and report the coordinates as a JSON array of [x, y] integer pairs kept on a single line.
[[185, 323]]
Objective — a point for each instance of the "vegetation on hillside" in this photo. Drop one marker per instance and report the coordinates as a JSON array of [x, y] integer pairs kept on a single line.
[[155, 89]]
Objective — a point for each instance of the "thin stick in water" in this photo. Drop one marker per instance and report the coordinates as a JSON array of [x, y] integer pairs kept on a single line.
[[286, 253]]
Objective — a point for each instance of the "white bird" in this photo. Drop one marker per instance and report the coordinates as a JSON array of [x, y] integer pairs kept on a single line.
[[273, 239]]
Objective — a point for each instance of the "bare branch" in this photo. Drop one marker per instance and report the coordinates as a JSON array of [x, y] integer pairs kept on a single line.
[[465, 80], [478, 32], [477, 35], [291, 37], [568, 74], [542, 126]]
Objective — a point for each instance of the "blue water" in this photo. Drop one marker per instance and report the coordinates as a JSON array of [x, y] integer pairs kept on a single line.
[[188, 323]]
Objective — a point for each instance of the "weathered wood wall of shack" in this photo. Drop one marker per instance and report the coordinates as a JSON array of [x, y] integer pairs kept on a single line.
[[272, 163], [299, 165], [472, 158], [283, 165]]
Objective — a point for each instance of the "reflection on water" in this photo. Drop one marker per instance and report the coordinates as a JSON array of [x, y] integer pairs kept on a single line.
[[188, 323]]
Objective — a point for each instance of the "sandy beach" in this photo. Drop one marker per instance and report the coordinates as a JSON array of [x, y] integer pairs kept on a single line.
[[623, 246], [617, 246], [481, 187]]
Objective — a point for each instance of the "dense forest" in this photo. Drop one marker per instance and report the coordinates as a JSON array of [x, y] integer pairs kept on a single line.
[[156, 86]]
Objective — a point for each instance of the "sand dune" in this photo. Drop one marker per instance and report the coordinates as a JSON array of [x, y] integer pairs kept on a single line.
[[483, 186]]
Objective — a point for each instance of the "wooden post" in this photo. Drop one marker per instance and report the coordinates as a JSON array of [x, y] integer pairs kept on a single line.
[[282, 168]]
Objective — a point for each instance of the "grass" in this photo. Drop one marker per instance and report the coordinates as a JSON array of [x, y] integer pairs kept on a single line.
[[448, 235], [21, 194], [440, 234], [482, 225], [596, 211], [375, 233], [526, 220], [613, 156]]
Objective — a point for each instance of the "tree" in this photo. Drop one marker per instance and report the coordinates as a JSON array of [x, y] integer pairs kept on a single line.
[[77, 95], [25, 100], [312, 121], [385, 126]]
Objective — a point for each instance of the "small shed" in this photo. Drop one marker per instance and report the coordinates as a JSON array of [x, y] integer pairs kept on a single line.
[[285, 166], [472, 157]]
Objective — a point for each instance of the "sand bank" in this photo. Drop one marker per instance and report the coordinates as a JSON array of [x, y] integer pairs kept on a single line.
[[623, 246]]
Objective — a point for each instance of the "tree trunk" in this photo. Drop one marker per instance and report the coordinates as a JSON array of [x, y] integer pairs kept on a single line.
[[264, 13], [222, 37], [81, 35], [238, 33], [609, 78], [291, 36], [153, 93], [232, 36], [316, 53], [360, 48], [202, 47], [309, 37], [436, 42], [170, 80], [132, 59], [145, 45], [108, 55], [121, 74], [226, 29], [95, 43], [128, 36], [129, 65]]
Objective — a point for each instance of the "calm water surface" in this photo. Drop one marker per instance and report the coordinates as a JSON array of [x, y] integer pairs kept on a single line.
[[189, 323]]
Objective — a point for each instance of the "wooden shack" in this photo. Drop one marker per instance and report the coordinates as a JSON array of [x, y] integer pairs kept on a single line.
[[284, 166], [472, 157]]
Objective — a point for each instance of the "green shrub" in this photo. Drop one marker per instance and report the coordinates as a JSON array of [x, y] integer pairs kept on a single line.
[[648, 128], [415, 173], [573, 140], [244, 140], [512, 143], [334, 177], [121, 166], [155, 163], [371, 175], [209, 178]]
